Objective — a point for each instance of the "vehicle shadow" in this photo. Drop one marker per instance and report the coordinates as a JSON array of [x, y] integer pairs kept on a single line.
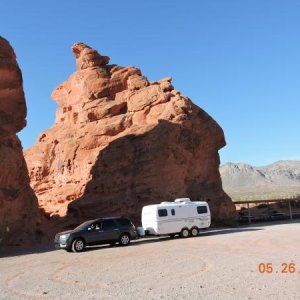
[[221, 231], [159, 239], [208, 232]]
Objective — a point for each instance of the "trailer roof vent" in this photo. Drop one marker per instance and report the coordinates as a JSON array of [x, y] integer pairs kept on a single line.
[[165, 202], [179, 200]]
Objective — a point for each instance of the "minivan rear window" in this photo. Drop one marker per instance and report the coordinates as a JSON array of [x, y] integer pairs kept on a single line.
[[201, 209], [162, 212]]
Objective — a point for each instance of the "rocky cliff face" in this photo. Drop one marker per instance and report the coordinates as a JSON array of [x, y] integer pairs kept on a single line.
[[120, 142], [18, 204]]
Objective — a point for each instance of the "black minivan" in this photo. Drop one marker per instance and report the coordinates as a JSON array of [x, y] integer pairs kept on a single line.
[[95, 232]]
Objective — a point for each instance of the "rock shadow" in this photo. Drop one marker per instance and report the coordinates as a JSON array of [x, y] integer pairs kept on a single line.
[[164, 163]]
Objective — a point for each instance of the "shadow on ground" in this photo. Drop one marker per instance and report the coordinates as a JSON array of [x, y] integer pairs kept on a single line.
[[26, 251], [269, 223], [138, 242], [150, 240]]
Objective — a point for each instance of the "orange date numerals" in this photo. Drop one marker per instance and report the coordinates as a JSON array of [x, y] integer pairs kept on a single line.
[[288, 268], [268, 268]]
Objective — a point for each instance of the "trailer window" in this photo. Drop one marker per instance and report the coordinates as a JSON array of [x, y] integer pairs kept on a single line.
[[201, 209], [173, 212], [162, 212]]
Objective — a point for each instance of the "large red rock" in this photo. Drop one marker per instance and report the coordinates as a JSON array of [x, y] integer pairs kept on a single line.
[[120, 142], [18, 204]]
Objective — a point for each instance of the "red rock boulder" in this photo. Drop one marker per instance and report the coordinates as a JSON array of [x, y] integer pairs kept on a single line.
[[18, 204], [120, 142]]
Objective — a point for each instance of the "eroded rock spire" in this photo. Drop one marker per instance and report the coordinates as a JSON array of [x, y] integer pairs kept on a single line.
[[120, 142]]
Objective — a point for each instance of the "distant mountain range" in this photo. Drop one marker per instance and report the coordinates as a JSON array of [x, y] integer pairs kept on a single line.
[[278, 180]]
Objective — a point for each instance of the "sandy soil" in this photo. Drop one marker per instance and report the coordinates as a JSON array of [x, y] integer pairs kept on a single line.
[[219, 264]]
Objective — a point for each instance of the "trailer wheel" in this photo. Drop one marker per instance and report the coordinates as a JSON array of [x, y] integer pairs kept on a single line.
[[184, 233], [194, 231]]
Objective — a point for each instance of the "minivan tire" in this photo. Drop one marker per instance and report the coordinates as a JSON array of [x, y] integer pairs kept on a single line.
[[184, 233], [78, 245], [124, 239]]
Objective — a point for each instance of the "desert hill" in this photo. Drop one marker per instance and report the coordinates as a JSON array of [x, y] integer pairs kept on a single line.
[[278, 180]]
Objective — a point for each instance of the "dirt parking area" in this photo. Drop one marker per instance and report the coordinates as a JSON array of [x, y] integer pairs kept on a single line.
[[219, 264]]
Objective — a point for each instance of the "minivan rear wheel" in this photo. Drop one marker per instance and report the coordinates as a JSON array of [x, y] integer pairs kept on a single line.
[[184, 233], [124, 239], [78, 245]]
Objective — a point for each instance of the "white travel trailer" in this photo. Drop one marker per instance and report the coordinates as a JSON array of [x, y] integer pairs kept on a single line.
[[183, 217]]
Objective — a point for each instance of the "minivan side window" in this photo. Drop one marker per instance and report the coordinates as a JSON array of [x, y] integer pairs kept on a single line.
[[108, 225], [173, 212], [124, 222], [95, 226], [201, 209], [162, 212]]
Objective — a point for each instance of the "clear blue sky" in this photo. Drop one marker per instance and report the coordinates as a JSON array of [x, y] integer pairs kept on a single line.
[[238, 60]]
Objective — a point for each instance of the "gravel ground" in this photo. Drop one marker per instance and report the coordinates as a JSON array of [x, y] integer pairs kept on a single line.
[[219, 264]]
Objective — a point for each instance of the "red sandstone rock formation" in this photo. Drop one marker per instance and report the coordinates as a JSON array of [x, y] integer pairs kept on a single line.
[[120, 142], [18, 204]]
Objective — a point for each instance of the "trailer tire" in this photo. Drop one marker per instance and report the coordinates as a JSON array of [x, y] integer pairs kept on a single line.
[[184, 233], [194, 231]]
